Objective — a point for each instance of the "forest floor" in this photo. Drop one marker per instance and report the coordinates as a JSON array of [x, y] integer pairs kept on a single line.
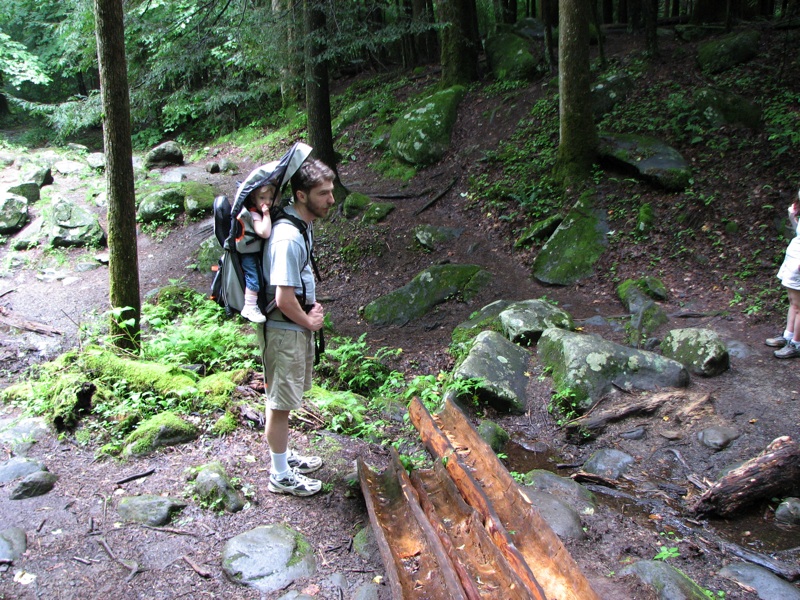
[[699, 262]]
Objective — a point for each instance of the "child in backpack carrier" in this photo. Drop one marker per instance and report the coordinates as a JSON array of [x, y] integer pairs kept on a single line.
[[255, 214]]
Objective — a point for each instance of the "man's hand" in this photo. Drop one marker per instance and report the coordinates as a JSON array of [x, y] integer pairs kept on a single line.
[[316, 317]]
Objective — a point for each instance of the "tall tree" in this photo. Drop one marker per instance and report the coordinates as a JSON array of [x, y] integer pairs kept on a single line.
[[577, 145], [318, 98], [460, 41], [124, 262], [650, 10], [286, 28]]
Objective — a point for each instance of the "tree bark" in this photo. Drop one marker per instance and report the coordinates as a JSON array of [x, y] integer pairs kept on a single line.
[[318, 98], [774, 473], [124, 262], [577, 145], [426, 44], [460, 43], [285, 12], [650, 10]]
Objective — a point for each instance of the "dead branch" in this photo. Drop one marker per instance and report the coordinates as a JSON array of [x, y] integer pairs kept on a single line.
[[435, 199], [197, 568], [595, 422], [19, 323], [169, 530], [135, 477], [586, 477]]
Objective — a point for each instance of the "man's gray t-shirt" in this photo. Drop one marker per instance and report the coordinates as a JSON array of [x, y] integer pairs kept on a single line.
[[287, 263]]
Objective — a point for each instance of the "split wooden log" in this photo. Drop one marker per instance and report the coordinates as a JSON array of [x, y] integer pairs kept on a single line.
[[775, 472], [593, 423], [528, 543], [417, 565]]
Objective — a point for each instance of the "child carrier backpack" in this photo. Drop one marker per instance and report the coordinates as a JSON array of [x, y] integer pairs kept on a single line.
[[228, 286]]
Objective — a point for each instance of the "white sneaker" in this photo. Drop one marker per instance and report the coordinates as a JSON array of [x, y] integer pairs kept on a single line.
[[293, 483], [252, 314], [303, 464]]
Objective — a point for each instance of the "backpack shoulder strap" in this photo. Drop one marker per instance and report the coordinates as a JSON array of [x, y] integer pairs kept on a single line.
[[278, 214]]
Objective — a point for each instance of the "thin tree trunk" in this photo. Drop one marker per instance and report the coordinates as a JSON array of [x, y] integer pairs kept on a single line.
[[459, 42], [650, 10], [318, 98], [124, 262], [577, 146], [549, 50]]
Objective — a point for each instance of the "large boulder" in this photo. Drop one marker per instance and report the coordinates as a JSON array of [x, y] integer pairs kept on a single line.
[[720, 107], [648, 157], [432, 237], [268, 558], [571, 252], [700, 350], [590, 366], [28, 189], [723, 53], [523, 322], [429, 288], [765, 583], [510, 58], [213, 486], [13, 212], [608, 91], [670, 583], [66, 225], [165, 429], [638, 297], [163, 155], [161, 206], [422, 135], [502, 367]]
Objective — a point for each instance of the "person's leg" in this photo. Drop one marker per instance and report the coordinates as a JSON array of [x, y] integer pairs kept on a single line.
[[792, 349], [250, 310], [278, 437]]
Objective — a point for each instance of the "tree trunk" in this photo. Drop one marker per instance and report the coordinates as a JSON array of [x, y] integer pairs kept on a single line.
[[608, 11], [549, 50], [459, 42], [285, 12], [577, 145], [124, 263], [650, 10], [708, 11], [427, 46], [318, 98]]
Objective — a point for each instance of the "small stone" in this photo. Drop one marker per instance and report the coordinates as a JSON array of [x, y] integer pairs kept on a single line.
[[35, 484]]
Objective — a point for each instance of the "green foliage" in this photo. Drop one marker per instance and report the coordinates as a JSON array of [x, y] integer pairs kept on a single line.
[[349, 364], [564, 403], [17, 65], [665, 553]]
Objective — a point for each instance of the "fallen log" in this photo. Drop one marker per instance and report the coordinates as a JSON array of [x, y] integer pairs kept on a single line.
[[417, 565], [595, 422], [527, 542], [775, 472], [483, 570]]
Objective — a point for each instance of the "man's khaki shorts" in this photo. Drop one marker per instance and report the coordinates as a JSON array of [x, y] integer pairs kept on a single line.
[[288, 364]]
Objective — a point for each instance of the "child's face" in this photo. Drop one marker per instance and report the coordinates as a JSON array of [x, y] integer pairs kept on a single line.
[[264, 196]]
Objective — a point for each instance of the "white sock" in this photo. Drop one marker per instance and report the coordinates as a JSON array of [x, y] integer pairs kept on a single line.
[[280, 464], [250, 297], [788, 334]]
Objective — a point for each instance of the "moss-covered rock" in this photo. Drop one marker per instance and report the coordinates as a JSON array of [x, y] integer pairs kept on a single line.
[[571, 252], [198, 198], [510, 58], [539, 230], [493, 434], [357, 111], [648, 157], [161, 205], [422, 135], [645, 218], [723, 53], [215, 390], [432, 237], [608, 91], [486, 319], [215, 490], [355, 204], [699, 350], [429, 288], [226, 424], [523, 322], [720, 108], [377, 212], [164, 429]]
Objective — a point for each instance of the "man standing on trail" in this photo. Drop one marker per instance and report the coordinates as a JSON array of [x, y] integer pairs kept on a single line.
[[288, 350]]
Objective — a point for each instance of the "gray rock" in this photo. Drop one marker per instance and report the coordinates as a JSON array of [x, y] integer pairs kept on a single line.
[[568, 490], [721, 108], [268, 558], [20, 433], [523, 322], [214, 487], [13, 543], [725, 52], [28, 189], [502, 367], [38, 174], [364, 543], [701, 351], [609, 91], [432, 237], [788, 511], [164, 429], [173, 176], [13, 212], [717, 438], [493, 434], [668, 582], [226, 165], [168, 153], [68, 225], [608, 462], [213, 167], [377, 212], [35, 484], [510, 57], [591, 366], [6, 159], [69, 167], [561, 517], [96, 160], [538, 231], [577, 244], [149, 509], [19, 466], [652, 159], [767, 585]]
